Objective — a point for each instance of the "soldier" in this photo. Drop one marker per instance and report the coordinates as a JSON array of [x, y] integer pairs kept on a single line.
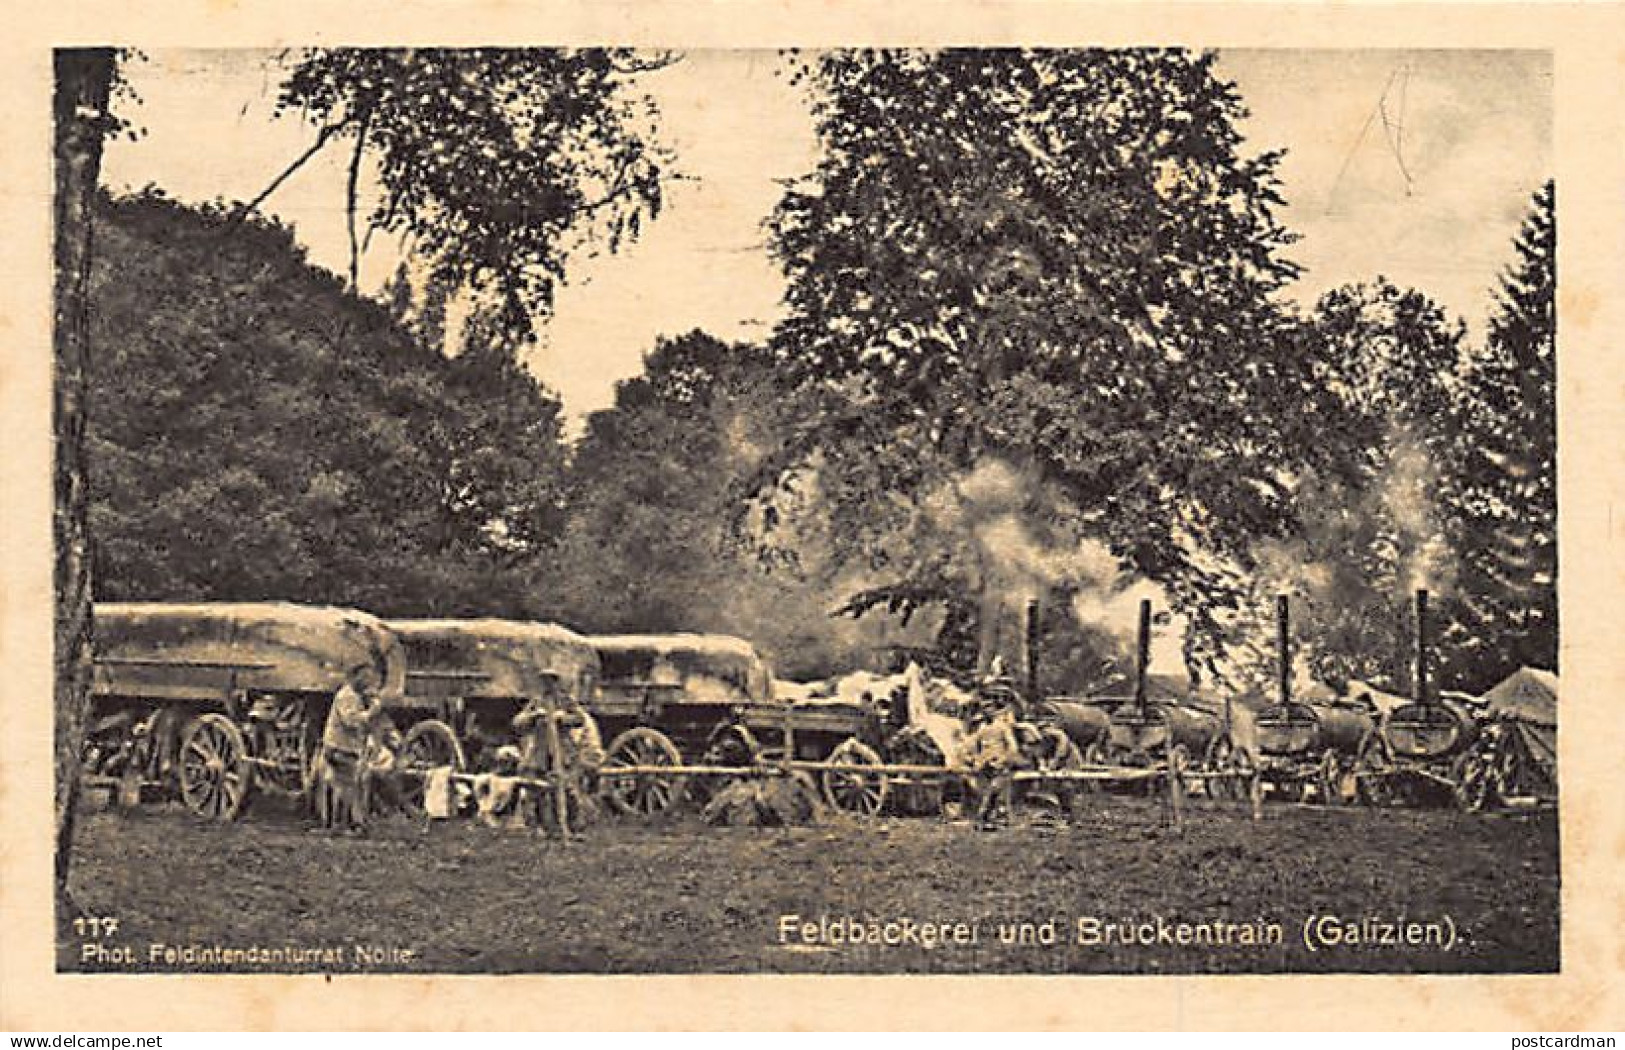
[[992, 751], [349, 747], [581, 752]]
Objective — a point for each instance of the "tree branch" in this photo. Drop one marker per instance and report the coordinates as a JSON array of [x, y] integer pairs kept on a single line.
[[321, 140], [350, 196], [382, 223]]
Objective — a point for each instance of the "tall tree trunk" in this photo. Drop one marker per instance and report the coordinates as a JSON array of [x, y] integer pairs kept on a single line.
[[84, 80]]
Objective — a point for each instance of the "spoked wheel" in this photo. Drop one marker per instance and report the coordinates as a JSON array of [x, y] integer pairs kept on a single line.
[[854, 791], [1218, 761], [1179, 763], [1374, 769], [215, 773], [645, 794], [288, 746], [1242, 782], [1337, 784], [428, 745]]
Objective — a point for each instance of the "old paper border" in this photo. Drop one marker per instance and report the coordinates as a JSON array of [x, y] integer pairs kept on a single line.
[[1589, 49]]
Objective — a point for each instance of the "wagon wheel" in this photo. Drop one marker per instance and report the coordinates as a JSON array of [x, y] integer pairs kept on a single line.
[[428, 744], [286, 747], [1304, 785], [1373, 769], [1239, 763], [215, 773], [641, 794], [731, 745], [850, 791], [1179, 761], [1337, 783]]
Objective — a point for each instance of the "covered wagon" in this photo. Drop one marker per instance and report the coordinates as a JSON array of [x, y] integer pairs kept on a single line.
[[217, 700], [466, 680], [669, 699], [871, 739]]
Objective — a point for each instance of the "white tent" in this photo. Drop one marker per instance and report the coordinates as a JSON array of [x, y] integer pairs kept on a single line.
[[1528, 694]]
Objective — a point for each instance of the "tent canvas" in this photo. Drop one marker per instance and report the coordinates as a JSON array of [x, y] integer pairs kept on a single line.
[[1528, 694]]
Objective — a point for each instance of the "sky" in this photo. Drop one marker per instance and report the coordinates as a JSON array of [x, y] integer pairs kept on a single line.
[[1417, 165]]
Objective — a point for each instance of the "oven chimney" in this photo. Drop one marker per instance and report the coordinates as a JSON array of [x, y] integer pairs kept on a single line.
[[1421, 681], [1142, 663], [1032, 649], [1283, 644]]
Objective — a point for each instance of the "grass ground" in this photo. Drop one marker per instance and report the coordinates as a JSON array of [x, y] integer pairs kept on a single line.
[[680, 897]]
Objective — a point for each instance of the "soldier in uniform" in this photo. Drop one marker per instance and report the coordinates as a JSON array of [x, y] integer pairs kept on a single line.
[[357, 730]]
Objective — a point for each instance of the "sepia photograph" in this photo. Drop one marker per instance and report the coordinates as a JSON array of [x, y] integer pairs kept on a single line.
[[1045, 521], [898, 511]]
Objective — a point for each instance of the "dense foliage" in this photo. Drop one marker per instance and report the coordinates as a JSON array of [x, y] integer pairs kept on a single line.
[[1037, 347], [259, 432], [1452, 483], [1061, 260], [1504, 474], [1367, 536], [658, 537], [1037, 335]]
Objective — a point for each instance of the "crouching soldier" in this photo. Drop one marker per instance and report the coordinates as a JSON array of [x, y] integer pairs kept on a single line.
[[548, 723]]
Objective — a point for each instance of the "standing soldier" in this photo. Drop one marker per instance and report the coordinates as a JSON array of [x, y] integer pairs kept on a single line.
[[348, 748], [560, 742]]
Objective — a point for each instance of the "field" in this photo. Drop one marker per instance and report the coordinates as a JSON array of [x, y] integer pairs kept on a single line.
[[680, 897]]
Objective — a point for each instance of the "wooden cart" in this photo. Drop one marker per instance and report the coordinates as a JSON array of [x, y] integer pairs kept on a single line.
[[1423, 751], [1309, 745], [466, 680], [667, 700], [216, 701]]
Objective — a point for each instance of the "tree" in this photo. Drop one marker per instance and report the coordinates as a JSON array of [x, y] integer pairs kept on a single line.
[[417, 484], [1062, 261], [80, 108], [498, 163], [659, 534], [1372, 534], [1506, 473], [650, 484]]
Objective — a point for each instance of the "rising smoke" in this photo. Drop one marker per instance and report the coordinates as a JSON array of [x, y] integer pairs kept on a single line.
[[1024, 541]]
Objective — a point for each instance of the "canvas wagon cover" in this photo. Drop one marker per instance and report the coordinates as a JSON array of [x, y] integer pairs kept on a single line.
[[711, 668], [272, 646], [497, 658]]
